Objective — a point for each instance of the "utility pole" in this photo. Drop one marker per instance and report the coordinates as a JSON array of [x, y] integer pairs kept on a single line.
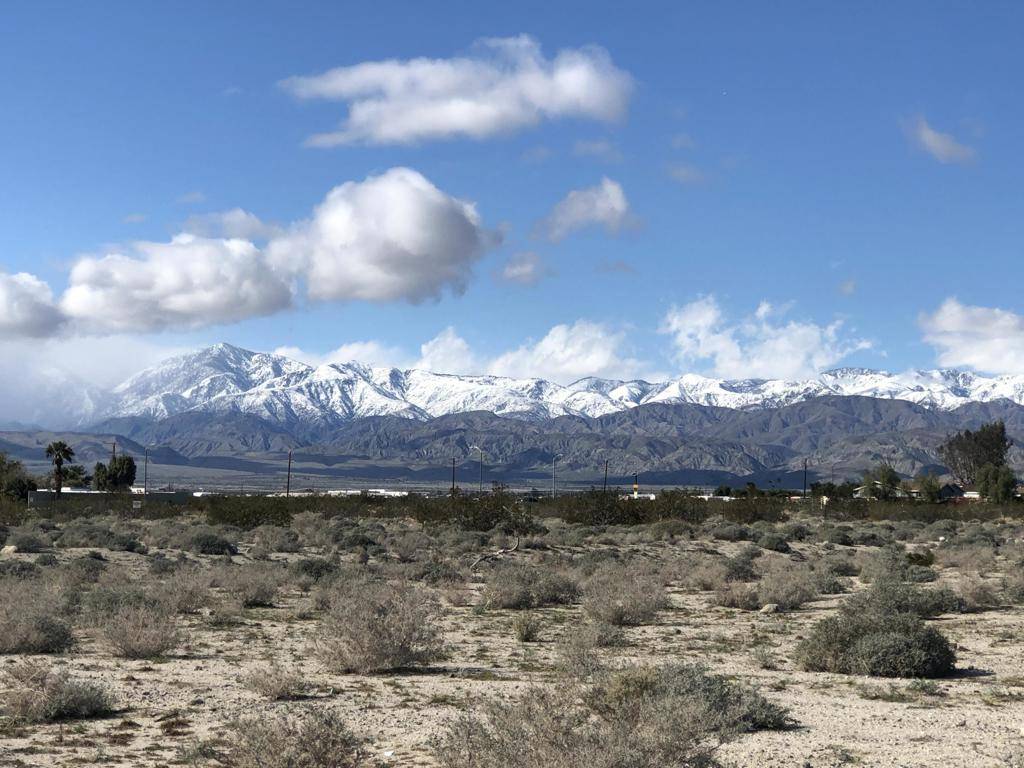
[[805, 478], [113, 452], [636, 485], [288, 483], [453, 476], [606, 475], [554, 459], [145, 476]]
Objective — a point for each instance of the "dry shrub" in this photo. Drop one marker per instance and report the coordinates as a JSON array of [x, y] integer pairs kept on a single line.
[[640, 718], [32, 618], [624, 596], [976, 595], [371, 627], [314, 739], [37, 693], [787, 586], [738, 595], [519, 587], [972, 558], [254, 585], [186, 590], [274, 682], [142, 631]]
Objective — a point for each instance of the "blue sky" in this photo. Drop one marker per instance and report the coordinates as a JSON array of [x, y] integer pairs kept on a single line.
[[788, 188]]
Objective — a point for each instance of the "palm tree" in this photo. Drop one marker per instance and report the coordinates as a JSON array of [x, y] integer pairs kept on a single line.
[[59, 452]]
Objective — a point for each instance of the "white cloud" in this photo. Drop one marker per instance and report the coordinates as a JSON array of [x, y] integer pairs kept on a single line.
[[189, 282], [848, 287], [233, 223], [525, 269], [565, 354], [761, 346], [984, 338], [942, 146], [568, 353], [447, 353], [366, 352], [505, 86], [60, 380], [391, 237], [604, 204], [27, 307], [687, 174], [602, 149], [683, 141], [134, 218]]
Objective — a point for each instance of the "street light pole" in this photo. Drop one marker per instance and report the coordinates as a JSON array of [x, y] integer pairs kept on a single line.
[[554, 459], [145, 476], [480, 460]]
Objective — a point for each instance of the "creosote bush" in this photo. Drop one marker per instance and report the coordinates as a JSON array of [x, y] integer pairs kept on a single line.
[[315, 738], [644, 717], [623, 596], [372, 627], [878, 633], [274, 682], [36, 693]]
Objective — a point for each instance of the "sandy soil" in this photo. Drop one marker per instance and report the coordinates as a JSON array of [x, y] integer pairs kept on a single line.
[[972, 719]]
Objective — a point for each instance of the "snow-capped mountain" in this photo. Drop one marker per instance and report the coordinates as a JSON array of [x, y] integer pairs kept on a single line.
[[225, 379]]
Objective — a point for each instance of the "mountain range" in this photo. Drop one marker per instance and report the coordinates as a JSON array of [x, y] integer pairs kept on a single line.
[[228, 409], [227, 379]]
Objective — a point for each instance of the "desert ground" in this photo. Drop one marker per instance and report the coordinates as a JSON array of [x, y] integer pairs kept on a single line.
[[174, 642]]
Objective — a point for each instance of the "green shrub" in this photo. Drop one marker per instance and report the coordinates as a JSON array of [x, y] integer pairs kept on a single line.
[[856, 642], [774, 542], [672, 716], [205, 543], [526, 627]]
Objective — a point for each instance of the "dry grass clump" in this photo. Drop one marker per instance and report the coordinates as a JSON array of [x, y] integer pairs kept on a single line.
[[526, 627], [86, 534], [142, 631], [273, 538], [973, 558], [640, 717], [372, 627], [37, 693], [315, 738], [783, 585], [32, 618], [274, 682], [519, 587], [186, 590], [624, 596]]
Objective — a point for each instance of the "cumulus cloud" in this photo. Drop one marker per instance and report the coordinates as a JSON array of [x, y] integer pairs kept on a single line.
[[448, 353], [391, 237], [942, 146], [764, 345], [565, 354], [189, 282], [506, 85], [235, 223], [602, 205], [984, 338], [27, 307], [525, 269], [568, 353]]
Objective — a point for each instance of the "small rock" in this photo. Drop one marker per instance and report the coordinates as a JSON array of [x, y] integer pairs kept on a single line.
[[10, 549], [770, 608]]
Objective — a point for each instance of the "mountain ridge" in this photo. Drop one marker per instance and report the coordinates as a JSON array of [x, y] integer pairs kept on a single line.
[[224, 378]]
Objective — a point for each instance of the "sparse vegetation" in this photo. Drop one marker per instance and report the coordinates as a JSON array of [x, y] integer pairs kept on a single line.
[[316, 738], [37, 693]]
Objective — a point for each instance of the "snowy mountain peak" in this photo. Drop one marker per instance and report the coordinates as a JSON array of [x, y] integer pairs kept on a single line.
[[226, 378]]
